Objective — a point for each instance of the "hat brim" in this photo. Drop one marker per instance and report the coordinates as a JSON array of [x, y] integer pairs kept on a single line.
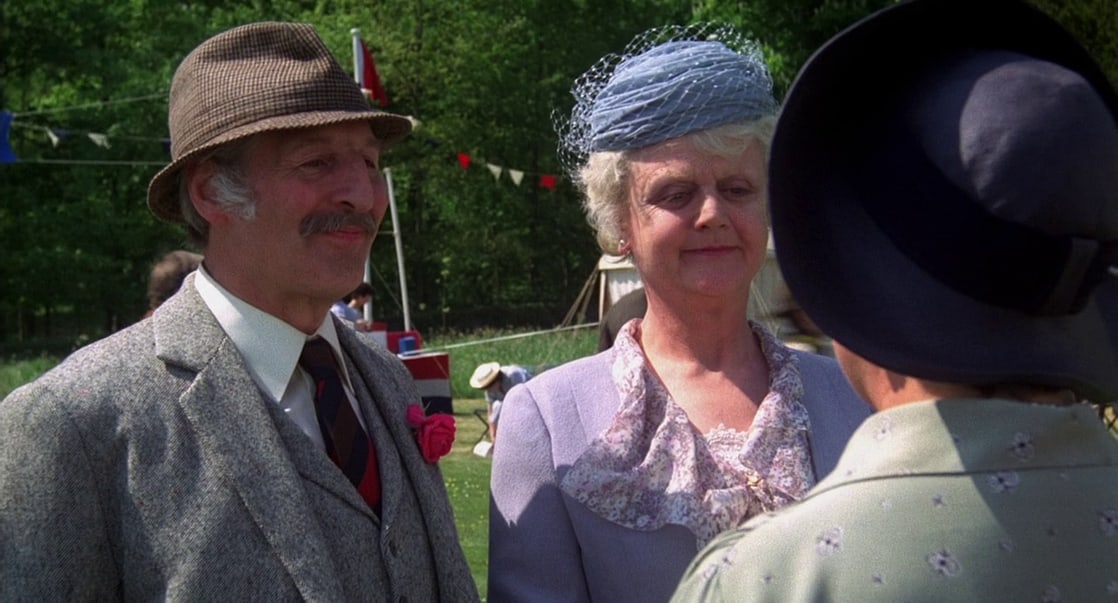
[[844, 271], [163, 191], [484, 383], [485, 374]]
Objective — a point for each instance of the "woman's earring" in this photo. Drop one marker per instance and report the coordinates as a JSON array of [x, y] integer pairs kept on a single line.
[[622, 247]]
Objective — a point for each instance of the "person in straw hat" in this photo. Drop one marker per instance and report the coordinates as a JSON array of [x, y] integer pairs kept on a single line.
[[240, 444], [496, 381], [614, 469], [958, 239]]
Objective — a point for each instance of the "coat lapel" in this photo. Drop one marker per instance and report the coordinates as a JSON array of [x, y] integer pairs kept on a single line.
[[238, 435], [388, 390]]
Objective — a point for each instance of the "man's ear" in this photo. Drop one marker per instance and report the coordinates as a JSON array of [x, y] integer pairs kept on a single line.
[[198, 176]]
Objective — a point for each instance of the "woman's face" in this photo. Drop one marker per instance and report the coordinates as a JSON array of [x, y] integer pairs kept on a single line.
[[696, 222]]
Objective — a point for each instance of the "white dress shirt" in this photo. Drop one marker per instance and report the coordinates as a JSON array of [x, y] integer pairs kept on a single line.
[[271, 349]]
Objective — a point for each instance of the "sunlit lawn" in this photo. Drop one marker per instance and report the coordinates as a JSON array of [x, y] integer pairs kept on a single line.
[[467, 482], [466, 475]]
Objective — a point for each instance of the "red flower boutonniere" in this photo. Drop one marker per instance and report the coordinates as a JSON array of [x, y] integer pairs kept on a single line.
[[435, 433]]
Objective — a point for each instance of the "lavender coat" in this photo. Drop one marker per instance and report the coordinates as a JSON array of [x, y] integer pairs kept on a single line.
[[545, 546]]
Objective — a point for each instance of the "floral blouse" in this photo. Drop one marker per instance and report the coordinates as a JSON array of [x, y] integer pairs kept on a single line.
[[944, 500], [652, 467]]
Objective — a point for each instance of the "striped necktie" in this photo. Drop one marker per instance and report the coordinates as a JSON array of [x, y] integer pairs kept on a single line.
[[346, 442]]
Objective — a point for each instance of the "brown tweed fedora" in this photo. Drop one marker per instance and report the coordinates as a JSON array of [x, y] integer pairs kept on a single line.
[[944, 201], [252, 79]]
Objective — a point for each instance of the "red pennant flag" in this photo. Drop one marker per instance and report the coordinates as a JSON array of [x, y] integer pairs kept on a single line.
[[547, 181], [464, 160], [370, 81]]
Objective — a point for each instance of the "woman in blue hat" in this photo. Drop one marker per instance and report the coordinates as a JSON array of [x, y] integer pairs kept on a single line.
[[614, 469]]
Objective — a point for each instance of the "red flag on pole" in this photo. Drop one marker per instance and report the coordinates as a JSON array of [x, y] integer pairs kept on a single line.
[[370, 81]]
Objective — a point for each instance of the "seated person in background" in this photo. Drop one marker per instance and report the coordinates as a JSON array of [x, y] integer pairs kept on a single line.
[[350, 307], [958, 239], [167, 276], [497, 380], [631, 305]]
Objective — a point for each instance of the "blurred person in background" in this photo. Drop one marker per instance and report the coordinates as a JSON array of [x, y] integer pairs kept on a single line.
[[168, 274], [352, 307]]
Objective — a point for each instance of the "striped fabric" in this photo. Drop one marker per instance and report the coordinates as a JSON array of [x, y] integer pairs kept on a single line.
[[346, 442]]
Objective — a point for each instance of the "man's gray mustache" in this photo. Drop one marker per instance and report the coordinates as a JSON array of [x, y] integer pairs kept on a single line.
[[335, 221]]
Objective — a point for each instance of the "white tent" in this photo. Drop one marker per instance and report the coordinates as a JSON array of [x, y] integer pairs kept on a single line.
[[616, 276]]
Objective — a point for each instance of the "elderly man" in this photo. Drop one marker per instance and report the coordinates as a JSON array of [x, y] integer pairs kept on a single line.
[[241, 444], [958, 237]]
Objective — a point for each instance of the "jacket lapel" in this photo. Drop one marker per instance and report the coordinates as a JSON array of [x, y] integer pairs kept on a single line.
[[238, 435], [314, 466], [389, 389]]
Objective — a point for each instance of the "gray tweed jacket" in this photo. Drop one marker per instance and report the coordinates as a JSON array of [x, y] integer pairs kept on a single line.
[[149, 466]]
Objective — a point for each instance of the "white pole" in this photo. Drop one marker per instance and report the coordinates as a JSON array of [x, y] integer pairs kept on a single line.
[[399, 249], [358, 70]]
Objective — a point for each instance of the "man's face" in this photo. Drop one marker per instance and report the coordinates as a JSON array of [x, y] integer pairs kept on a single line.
[[319, 198]]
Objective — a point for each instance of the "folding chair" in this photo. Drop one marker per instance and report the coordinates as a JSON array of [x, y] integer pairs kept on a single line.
[[482, 415]]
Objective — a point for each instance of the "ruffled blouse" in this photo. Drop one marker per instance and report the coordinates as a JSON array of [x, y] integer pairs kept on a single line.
[[652, 467]]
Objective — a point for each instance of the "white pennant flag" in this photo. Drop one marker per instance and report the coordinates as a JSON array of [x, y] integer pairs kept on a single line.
[[516, 176], [100, 140], [495, 170], [54, 138]]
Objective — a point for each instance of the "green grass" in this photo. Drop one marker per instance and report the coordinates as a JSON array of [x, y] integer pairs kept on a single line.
[[14, 373], [533, 351], [466, 474], [467, 482]]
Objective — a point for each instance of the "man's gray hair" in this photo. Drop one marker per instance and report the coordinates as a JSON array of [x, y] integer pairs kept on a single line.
[[227, 185]]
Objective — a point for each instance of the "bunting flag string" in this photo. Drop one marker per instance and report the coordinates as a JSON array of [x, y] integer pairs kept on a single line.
[[57, 136], [61, 134], [548, 181]]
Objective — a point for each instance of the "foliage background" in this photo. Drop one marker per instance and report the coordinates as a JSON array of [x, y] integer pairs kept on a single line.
[[483, 77]]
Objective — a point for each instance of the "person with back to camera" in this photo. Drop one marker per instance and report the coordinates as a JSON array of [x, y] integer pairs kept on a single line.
[[242, 444], [959, 241], [167, 276], [613, 470]]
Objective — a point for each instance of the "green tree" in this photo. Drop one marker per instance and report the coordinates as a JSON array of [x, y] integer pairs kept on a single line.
[[482, 78]]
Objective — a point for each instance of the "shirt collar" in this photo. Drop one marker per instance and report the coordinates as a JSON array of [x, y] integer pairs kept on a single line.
[[270, 347]]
